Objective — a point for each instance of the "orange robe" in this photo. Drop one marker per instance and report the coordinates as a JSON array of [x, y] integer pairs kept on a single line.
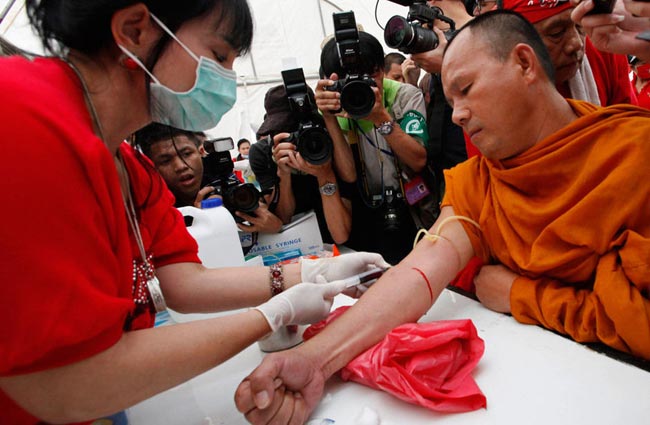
[[571, 216]]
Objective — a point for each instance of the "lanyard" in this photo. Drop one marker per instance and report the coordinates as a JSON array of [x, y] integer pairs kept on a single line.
[[144, 272], [380, 152]]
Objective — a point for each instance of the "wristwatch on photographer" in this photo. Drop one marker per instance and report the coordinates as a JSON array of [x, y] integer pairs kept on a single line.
[[328, 189], [386, 128]]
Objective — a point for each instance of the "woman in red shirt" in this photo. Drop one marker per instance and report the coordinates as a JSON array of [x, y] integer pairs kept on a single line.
[[91, 244]]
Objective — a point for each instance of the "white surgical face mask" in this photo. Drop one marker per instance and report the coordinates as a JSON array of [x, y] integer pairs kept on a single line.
[[214, 93]]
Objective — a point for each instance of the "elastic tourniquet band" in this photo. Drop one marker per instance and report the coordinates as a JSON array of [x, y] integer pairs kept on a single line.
[[436, 235]]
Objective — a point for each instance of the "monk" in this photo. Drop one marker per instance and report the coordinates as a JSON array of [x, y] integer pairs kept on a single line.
[[557, 205], [581, 72]]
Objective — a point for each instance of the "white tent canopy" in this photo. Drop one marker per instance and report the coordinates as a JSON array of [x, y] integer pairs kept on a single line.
[[288, 33]]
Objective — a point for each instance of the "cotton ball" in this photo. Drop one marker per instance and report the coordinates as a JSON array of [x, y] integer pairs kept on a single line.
[[321, 421], [368, 416]]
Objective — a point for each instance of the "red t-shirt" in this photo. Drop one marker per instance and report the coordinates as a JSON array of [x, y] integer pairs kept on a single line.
[[67, 251]]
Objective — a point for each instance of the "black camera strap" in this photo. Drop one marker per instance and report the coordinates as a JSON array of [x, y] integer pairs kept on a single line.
[[275, 191], [361, 165]]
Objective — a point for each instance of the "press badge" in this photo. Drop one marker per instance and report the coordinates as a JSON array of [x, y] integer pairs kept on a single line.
[[415, 190]]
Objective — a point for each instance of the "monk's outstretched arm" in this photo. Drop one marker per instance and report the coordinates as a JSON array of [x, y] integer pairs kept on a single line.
[[615, 312], [401, 295]]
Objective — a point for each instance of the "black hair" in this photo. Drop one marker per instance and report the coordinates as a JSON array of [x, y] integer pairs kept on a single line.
[[154, 133], [242, 141], [84, 25], [391, 58], [371, 61], [502, 30]]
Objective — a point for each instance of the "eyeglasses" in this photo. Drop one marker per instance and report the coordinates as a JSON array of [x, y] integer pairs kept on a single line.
[[479, 5]]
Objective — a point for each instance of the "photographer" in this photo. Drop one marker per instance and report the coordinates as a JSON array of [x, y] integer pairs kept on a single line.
[[447, 145], [386, 144], [177, 156], [296, 185], [399, 68], [431, 60]]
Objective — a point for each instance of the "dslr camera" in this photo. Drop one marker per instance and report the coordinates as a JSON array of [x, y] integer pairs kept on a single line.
[[393, 210], [312, 139], [218, 171], [357, 97], [414, 34]]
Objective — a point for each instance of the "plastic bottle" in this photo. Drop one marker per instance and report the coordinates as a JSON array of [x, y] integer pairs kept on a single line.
[[215, 231]]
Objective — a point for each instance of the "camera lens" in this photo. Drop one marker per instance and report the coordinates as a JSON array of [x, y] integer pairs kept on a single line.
[[392, 220], [409, 38], [244, 197], [315, 146], [357, 98], [397, 31], [392, 216]]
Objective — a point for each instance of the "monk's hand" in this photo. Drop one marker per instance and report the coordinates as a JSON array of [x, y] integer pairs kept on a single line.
[[284, 389], [493, 284]]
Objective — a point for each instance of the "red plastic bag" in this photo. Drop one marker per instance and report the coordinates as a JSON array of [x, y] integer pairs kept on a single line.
[[428, 364]]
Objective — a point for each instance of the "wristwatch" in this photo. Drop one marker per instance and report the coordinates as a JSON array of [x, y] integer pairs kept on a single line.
[[328, 189], [386, 128]]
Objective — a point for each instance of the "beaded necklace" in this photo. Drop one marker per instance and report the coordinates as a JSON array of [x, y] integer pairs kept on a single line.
[[144, 275]]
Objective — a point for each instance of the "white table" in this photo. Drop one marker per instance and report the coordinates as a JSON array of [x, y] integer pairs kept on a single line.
[[529, 376]]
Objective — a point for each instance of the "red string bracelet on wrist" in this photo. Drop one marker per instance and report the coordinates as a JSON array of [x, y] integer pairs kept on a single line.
[[426, 280]]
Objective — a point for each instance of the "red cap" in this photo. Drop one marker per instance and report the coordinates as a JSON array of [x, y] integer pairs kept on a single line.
[[537, 10]]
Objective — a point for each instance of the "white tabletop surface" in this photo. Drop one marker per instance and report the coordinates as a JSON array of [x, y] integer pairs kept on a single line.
[[529, 376]]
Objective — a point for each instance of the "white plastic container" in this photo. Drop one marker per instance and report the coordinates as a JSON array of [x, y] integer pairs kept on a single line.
[[216, 233]]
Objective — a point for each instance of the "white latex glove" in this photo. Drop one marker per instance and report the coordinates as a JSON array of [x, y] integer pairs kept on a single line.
[[301, 304], [341, 267], [337, 268]]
